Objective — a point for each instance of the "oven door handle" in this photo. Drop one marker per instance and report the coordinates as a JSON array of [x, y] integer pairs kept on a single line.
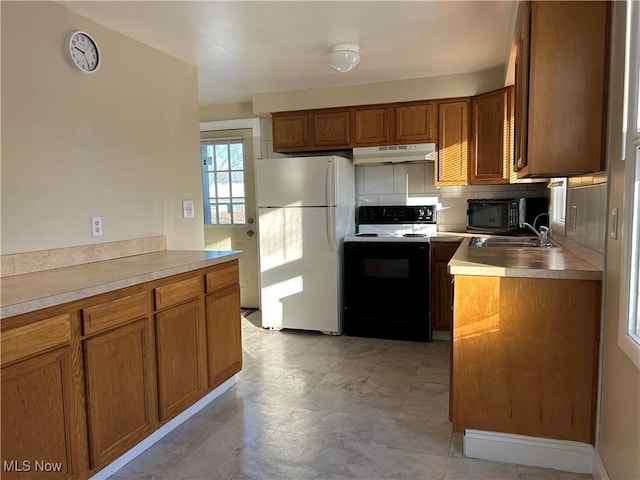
[[331, 228]]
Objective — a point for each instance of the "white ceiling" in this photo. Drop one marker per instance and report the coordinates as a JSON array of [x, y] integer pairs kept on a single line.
[[243, 47]]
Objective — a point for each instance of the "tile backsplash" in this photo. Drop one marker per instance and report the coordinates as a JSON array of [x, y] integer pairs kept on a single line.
[[586, 218], [413, 184]]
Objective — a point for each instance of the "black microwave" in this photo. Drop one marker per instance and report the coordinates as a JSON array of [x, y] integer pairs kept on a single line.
[[504, 216]]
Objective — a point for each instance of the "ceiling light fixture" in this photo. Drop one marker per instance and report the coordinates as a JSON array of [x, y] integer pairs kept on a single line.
[[343, 57]]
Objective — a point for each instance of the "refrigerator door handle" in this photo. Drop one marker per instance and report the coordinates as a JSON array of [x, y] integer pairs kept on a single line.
[[331, 228], [330, 185]]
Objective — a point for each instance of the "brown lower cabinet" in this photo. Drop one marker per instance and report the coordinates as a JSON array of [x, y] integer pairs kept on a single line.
[[37, 421], [525, 356], [181, 353], [223, 337], [441, 284], [84, 382], [120, 400]]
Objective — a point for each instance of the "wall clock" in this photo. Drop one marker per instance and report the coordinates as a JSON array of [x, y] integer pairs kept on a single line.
[[83, 51]]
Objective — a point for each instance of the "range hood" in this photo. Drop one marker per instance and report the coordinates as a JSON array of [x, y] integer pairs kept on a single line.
[[420, 152]]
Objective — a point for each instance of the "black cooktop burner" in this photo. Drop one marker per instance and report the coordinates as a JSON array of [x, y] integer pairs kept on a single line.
[[414, 235]]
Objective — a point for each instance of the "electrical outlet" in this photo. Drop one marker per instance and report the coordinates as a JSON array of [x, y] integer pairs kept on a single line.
[[96, 226], [188, 209]]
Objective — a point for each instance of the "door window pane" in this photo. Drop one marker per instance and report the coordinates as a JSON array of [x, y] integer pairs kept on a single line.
[[223, 181]]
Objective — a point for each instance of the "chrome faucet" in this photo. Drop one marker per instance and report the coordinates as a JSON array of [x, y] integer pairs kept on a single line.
[[542, 234]]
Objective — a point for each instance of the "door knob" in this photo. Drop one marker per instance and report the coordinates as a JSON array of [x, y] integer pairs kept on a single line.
[[250, 221], [250, 233]]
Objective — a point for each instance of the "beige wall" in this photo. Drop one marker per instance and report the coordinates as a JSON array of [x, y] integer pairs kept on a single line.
[[121, 143], [227, 111], [385, 92], [619, 438]]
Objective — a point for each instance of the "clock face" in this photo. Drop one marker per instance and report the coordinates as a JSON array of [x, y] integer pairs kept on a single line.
[[83, 51]]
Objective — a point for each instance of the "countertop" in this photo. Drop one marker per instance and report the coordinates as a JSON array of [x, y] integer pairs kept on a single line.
[[33, 291], [446, 237], [531, 262]]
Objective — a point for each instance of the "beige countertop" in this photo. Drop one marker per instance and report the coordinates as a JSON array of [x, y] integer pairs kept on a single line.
[[531, 262], [33, 291], [446, 237]]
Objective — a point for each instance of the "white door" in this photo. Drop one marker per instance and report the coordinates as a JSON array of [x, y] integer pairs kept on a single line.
[[230, 206]]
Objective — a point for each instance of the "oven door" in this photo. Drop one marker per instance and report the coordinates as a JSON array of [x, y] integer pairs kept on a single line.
[[386, 290]]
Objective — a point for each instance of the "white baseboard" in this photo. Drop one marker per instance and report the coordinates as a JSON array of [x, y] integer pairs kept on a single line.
[[129, 455], [599, 472], [564, 455]]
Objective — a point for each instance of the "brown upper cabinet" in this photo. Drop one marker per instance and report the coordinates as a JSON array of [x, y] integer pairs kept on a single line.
[[416, 123], [453, 143], [474, 135], [490, 152], [311, 130], [372, 126], [344, 128], [291, 132], [331, 129], [521, 93], [475, 140], [561, 88]]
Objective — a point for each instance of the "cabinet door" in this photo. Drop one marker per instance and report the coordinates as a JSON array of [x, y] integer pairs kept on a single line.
[[331, 129], [290, 132], [527, 366], [568, 72], [522, 89], [441, 288], [224, 339], [453, 131], [182, 360], [490, 139], [416, 123], [37, 420], [372, 126], [120, 391]]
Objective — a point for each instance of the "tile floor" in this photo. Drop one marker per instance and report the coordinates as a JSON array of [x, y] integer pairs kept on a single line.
[[310, 406]]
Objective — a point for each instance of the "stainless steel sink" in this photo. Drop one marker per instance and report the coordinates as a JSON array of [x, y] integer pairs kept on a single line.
[[528, 242]]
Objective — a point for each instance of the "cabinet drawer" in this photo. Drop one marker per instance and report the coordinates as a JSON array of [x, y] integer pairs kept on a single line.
[[35, 337], [178, 292], [223, 276], [117, 312]]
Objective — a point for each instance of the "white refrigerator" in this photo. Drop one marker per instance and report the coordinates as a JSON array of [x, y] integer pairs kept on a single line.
[[306, 207]]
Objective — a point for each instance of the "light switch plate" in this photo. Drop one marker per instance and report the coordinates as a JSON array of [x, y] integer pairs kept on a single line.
[[188, 209], [574, 217]]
